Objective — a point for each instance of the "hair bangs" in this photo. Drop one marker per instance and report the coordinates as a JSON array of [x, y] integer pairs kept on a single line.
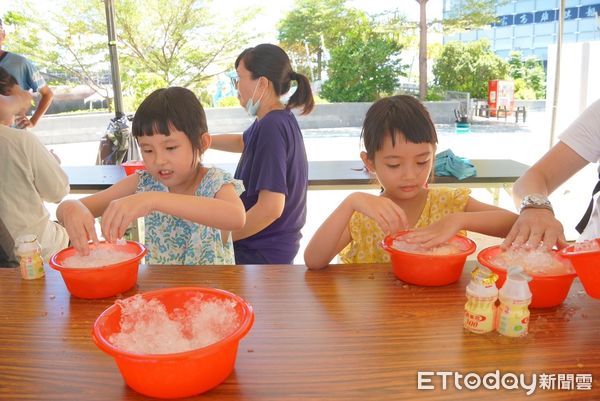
[[394, 116]]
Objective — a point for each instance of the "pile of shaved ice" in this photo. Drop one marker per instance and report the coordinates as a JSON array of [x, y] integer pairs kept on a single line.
[[538, 262], [448, 248], [147, 327], [586, 246], [98, 256]]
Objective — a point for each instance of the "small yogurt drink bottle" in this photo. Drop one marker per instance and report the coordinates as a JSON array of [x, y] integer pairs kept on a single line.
[[480, 309], [515, 296], [29, 252]]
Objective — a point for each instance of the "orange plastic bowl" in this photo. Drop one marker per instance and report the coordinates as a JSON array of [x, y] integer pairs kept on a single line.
[[133, 166], [429, 270], [546, 291], [180, 374], [587, 266], [104, 281]]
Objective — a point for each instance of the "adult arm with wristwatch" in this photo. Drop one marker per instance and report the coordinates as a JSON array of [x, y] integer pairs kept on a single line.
[[578, 146]]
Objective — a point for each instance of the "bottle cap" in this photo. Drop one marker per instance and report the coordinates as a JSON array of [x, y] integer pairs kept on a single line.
[[25, 243], [25, 238], [484, 275], [482, 283]]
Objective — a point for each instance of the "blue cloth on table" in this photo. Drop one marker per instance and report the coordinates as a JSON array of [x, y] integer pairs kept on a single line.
[[448, 164]]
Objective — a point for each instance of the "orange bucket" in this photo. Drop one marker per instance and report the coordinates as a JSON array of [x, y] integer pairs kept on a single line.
[[133, 166], [587, 266], [546, 291], [104, 281], [182, 374], [429, 270]]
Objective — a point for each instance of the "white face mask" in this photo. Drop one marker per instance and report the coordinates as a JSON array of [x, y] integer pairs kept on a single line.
[[252, 107]]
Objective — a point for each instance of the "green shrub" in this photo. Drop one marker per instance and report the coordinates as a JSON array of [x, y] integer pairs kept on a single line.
[[229, 101]]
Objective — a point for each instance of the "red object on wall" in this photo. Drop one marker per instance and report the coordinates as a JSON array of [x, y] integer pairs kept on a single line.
[[501, 94]]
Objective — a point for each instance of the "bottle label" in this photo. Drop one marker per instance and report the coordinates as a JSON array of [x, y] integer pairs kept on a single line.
[[31, 266], [513, 321], [479, 316]]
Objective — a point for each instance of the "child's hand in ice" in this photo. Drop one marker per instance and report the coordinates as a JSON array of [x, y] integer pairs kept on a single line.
[[435, 234], [120, 213], [79, 223]]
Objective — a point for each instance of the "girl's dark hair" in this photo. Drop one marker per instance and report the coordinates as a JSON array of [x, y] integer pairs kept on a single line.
[[397, 115], [270, 61], [174, 106], [7, 81]]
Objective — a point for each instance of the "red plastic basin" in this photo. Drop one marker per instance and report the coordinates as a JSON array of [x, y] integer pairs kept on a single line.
[[103, 281], [429, 270], [133, 166], [546, 291], [587, 266], [180, 374]]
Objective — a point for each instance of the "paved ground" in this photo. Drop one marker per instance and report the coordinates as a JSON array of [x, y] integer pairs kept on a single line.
[[524, 142]]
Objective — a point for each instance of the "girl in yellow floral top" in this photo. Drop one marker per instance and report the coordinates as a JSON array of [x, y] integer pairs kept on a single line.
[[400, 142]]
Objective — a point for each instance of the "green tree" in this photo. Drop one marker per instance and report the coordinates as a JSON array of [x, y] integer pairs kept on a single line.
[[531, 71], [515, 63], [229, 101], [61, 43], [467, 67], [464, 14], [312, 27], [522, 90], [143, 84], [183, 41], [180, 41], [363, 67]]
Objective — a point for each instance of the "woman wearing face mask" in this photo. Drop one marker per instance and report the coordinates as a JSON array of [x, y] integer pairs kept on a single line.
[[273, 164]]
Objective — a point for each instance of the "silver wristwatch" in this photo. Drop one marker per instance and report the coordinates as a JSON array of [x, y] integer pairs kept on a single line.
[[536, 201]]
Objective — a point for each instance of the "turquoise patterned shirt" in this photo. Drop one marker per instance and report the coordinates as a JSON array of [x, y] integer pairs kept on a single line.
[[174, 241]]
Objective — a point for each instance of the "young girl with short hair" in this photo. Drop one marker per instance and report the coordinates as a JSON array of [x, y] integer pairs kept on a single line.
[[400, 144], [189, 210]]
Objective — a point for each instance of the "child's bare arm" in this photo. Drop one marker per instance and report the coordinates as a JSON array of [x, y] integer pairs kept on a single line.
[[333, 235], [225, 211], [478, 217], [488, 219]]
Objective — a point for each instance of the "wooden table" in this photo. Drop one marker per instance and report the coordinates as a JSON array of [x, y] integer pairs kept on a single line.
[[337, 174], [343, 333]]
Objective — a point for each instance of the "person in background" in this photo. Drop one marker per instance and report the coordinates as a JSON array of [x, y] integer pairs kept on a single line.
[[189, 209], [12, 100], [400, 142], [28, 78], [273, 163], [30, 175], [537, 226]]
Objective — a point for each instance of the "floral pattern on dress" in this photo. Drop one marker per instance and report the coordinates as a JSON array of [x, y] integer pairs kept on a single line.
[[171, 240], [367, 235]]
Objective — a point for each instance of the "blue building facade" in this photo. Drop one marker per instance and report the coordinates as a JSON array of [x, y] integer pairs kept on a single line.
[[529, 26]]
